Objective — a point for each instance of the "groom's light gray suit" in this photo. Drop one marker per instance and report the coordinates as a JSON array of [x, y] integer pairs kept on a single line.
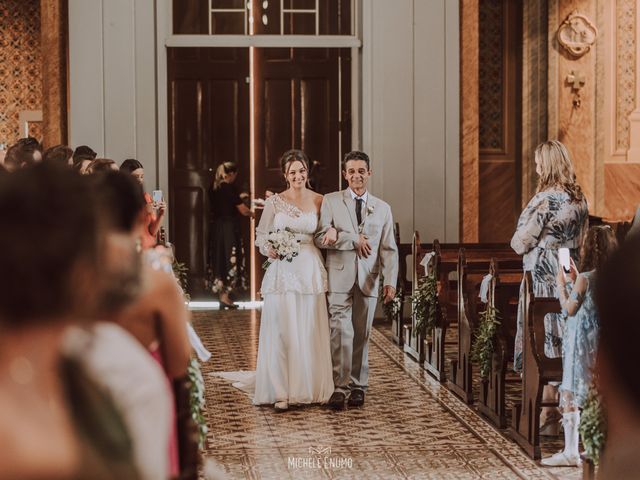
[[353, 281]]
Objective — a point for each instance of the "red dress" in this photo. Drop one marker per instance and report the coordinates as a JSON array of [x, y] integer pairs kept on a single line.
[[148, 240]]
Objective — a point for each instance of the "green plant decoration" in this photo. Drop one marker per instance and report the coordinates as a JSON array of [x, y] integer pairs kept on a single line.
[[425, 306], [197, 402], [181, 272], [593, 425], [483, 342], [392, 309]]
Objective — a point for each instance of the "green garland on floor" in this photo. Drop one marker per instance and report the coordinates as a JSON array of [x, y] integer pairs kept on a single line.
[[424, 302], [483, 342], [196, 392], [196, 388], [593, 426]]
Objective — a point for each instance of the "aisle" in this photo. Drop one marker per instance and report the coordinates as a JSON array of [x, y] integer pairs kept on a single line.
[[410, 427]]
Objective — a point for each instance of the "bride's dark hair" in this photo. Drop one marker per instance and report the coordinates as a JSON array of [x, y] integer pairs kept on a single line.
[[291, 156]]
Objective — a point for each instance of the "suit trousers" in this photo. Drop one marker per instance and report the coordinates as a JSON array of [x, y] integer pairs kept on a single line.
[[351, 319]]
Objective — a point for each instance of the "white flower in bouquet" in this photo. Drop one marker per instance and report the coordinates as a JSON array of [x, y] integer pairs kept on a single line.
[[284, 243]]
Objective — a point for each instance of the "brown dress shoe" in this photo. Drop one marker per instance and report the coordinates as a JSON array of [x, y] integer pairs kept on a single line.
[[336, 401]]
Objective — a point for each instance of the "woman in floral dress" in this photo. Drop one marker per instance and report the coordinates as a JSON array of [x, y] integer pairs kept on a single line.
[[556, 217], [580, 340]]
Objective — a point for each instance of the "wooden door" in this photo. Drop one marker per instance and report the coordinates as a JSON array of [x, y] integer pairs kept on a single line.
[[500, 118], [208, 124], [297, 106]]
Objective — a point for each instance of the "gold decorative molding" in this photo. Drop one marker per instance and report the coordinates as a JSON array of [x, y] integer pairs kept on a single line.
[[577, 34]]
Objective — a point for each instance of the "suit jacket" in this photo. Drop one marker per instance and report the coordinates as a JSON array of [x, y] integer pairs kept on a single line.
[[344, 267]]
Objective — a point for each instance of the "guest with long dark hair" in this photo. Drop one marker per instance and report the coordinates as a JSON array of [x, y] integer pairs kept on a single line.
[[154, 211]]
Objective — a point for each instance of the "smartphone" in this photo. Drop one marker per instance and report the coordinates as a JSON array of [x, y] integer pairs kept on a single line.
[[564, 259], [156, 196]]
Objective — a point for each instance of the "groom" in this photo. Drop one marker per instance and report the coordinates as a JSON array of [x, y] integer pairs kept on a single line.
[[357, 230]]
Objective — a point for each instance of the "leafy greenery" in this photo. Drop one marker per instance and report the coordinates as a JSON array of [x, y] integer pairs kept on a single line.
[[425, 306], [197, 399], [392, 309], [181, 272], [484, 341], [196, 392], [593, 425]]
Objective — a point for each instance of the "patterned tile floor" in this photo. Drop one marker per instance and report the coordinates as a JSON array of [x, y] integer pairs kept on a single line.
[[409, 428]]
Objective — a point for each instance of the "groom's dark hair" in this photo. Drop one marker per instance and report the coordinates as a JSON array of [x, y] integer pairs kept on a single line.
[[355, 155]]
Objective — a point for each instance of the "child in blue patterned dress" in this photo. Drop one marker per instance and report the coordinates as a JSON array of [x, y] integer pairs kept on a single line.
[[580, 338]]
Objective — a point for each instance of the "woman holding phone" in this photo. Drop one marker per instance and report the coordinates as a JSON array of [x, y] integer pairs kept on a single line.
[[155, 207], [580, 338], [226, 250], [556, 217]]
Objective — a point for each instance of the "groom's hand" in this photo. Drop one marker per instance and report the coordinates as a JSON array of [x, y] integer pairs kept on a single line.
[[330, 237], [389, 293], [363, 247]]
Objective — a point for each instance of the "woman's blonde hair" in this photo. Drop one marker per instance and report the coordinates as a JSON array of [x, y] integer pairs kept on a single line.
[[557, 169], [223, 169]]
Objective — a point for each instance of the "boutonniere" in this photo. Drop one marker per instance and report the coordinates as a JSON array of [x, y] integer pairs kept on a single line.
[[370, 209]]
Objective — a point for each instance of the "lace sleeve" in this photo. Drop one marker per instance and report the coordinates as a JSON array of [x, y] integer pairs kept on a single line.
[[265, 226]]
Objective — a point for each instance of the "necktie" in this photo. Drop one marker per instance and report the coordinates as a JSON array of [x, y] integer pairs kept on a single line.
[[359, 203]]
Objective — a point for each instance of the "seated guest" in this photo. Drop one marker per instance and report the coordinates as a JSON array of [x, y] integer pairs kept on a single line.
[[617, 294], [154, 212], [157, 316], [55, 423], [24, 152], [59, 154], [580, 338], [82, 157], [101, 165]]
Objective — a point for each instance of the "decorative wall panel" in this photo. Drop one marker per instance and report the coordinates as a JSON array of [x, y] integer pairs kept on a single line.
[[625, 69], [491, 75], [20, 64]]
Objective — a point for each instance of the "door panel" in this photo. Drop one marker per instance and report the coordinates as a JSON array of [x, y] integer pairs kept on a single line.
[[208, 125]]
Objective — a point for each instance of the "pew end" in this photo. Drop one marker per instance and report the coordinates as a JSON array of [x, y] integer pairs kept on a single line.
[[538, 371]]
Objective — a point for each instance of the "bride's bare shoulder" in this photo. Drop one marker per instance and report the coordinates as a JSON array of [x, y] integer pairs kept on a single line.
[[317, 199]]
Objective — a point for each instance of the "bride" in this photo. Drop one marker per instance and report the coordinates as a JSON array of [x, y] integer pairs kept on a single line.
[[294, 358]]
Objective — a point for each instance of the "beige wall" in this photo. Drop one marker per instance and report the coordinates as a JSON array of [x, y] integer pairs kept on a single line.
[[410, 111], [408, 116], [112, 80]]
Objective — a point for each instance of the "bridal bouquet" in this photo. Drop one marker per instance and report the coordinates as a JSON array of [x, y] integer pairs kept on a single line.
[[285, 244]]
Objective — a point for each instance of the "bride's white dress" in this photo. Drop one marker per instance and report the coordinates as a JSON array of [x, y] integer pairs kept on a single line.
[[294, 357]]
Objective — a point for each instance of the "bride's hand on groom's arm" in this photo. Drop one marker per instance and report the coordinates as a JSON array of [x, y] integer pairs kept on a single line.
[[330, 237], [363, 247]]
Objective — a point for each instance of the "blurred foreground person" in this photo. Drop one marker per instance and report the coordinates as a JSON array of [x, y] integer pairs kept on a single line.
[[617, 294], [116, 358], [148, 303], [55, 422]]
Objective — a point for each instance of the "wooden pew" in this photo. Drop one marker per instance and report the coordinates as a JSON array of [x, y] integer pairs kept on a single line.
[[471, 271], [538, 370], [504, 291], [413, 344], [445, 262], [403, 287]]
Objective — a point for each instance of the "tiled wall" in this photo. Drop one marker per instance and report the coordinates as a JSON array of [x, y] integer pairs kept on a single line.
[[20, 65]]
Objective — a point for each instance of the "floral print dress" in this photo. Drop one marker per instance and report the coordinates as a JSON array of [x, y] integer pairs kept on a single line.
[[550, 221], [579, 346]]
